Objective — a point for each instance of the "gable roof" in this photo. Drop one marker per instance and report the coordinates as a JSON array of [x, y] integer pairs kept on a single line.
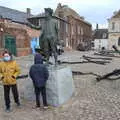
[[14, 15], [116, 14], [101, 34], [67, 11]]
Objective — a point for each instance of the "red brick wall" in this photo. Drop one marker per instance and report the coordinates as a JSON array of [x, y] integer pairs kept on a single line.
[[76, 36], [20, 52], [22, 38], [23, 35], [23, 51], [1, 51]]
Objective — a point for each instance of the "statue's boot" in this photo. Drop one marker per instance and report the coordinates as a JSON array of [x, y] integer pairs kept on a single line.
[[56, 59], [99, 79]]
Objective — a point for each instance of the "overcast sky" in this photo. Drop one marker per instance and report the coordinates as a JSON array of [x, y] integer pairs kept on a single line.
[[94, 11]]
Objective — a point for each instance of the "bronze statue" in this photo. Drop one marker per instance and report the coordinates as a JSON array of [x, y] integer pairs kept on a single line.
[[49, 37]]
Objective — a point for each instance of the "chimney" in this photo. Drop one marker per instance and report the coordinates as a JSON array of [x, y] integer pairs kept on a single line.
[[97, 27], [28, 12], [82, 17], [59, 5]]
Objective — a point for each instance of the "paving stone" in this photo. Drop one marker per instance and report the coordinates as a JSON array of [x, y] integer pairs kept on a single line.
[[91, 100]]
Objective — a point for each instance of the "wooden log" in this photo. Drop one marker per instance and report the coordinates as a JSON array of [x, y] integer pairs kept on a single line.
[[103, 58]]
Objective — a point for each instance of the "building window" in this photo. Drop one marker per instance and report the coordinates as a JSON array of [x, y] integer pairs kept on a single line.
[[104, 35], [66, 28], [72, 30], [78, 29], [113, 25], [119, 41], [81, 31], [99, 41], [92, 44]]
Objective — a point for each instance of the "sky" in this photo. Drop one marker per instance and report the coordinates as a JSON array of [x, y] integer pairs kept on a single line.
[[94, 11]]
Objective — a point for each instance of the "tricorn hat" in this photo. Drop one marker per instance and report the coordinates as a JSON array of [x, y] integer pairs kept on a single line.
[[49, 10]]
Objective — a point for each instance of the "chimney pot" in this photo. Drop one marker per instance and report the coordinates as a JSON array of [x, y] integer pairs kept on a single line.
[[97, 26], [28, 11]]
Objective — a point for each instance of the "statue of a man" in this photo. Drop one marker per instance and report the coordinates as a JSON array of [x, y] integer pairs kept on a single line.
[[49, 37]]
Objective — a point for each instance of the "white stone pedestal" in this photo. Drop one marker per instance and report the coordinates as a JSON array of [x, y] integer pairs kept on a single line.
[[59, 86]]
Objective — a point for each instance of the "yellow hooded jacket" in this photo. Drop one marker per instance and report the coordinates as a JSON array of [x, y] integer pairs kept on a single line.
[[8, 72]]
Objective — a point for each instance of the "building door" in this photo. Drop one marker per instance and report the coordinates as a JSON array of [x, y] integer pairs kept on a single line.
[[10, 44], [119, 41]]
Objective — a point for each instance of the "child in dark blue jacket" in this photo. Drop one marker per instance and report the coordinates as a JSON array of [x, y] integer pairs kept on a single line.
[[39, 75]]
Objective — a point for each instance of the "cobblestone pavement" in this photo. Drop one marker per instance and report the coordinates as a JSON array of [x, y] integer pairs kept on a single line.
[[91, 100]]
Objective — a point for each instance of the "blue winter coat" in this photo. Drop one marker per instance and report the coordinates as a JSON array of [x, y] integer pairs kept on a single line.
[[39, 72]]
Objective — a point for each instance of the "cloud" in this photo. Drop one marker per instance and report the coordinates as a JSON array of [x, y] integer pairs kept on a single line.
[[85, 2], [94, 11], [52, 3]]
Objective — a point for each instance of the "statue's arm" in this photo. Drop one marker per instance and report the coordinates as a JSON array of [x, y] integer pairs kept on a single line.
[[34, 26]]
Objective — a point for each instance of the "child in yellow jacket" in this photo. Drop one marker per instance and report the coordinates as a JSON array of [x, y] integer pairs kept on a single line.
[[9, 70]]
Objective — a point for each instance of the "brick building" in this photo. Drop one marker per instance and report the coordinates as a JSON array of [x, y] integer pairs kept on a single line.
[[73, 29], [15, 35], [76, 31]]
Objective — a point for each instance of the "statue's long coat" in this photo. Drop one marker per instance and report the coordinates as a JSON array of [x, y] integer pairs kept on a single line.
[[49, 36]]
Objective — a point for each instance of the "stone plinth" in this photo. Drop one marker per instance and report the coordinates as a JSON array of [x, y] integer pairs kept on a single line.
[[59, 86]]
